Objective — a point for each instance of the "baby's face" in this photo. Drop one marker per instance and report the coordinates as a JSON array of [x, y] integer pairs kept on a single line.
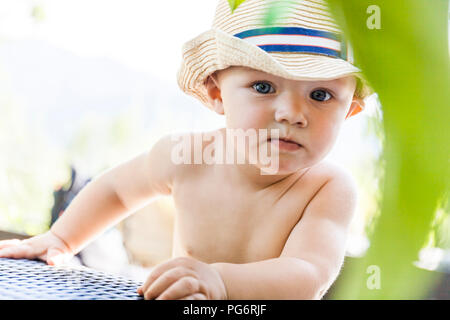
[[309, 113]]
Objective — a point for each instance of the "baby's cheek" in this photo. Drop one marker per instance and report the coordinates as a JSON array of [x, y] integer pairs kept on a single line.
[[324, 136], [253, 119]]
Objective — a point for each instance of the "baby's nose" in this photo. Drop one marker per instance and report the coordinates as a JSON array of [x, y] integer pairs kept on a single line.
[[292, 110]]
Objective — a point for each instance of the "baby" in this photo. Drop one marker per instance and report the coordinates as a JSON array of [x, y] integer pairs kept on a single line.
[[243, 230]]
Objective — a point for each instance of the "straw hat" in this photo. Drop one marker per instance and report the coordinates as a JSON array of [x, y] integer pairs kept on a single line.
[[305, 44]]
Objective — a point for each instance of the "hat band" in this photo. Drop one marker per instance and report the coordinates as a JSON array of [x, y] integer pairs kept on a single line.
[[299, 40]]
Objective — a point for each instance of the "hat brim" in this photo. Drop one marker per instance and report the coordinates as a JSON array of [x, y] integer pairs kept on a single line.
[[216, 50]]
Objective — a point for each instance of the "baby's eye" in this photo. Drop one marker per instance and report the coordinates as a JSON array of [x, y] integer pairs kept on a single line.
[[320, 95], [262, 87]]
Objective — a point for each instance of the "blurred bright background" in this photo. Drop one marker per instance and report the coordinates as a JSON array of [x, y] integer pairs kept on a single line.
[[92, 83]]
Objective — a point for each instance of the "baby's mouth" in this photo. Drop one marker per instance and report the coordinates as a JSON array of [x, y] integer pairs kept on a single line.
[[285, 144], [284, 140]]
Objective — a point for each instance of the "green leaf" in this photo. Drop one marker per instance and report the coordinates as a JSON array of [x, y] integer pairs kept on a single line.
[[276, 11], [406, 61], [234, 4]]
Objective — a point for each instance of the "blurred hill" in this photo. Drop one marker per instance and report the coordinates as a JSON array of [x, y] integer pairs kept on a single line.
[[57, 87]]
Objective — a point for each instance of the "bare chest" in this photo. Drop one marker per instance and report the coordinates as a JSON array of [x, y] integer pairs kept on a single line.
[[220, 223]]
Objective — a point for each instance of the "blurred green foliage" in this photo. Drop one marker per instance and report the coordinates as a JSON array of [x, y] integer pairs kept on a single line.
[[276, 11], [30, 167], [412, 82], [369, 173], [103, 141], [38, 13]]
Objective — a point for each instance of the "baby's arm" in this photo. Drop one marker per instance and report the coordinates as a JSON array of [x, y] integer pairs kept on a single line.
[[103, 202], [312, 256], [116, 193]]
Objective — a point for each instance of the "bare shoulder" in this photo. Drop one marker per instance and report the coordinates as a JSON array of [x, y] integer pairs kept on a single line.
[[188, 147], [335, 192], [184, 152], [327, 172], [194, 139]]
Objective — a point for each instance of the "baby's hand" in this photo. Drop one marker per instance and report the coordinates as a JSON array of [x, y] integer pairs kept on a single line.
[[183, 278], [46, 247]]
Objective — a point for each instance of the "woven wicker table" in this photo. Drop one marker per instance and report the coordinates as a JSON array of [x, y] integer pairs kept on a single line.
[[32, 279]]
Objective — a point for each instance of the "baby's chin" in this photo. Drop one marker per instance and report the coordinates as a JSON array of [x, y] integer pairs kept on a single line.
[[282, 168]]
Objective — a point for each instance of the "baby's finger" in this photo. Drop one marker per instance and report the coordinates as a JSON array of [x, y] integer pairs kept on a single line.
[[9, 243], [182, 288], [155, 274], [195, 296], [161, 268], [165, 281], [17, 252]]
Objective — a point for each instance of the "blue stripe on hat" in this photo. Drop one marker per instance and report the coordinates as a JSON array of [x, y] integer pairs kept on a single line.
[[298, 48], [288, 30]]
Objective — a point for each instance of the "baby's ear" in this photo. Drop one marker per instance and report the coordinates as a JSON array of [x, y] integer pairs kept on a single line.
[[214, 94], [356, 107]]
